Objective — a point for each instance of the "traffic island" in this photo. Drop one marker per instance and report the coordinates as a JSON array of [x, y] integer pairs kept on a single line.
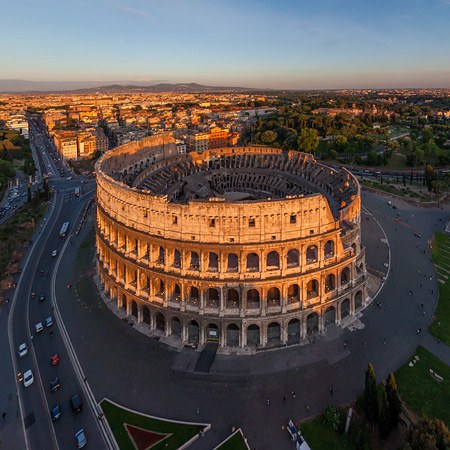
[[135, 431]]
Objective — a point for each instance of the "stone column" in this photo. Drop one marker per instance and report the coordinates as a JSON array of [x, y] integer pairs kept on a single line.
[[139, 316], [263, 301], [284, 333], [202, 299], [222, 301]]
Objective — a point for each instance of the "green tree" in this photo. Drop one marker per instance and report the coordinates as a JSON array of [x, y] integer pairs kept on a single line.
[[370, 395], [430, 434], [383, 415], [394, 402], [308, 140], [430, 176], [268, 136]]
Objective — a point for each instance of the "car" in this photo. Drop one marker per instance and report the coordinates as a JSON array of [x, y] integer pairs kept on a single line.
[[55, 360], [23, 350], [42, 297], [55, 412], [80, 438], [38, 327], [417, 235], [55, 384], [33, 294], [49, 321], [28, 378], [55, 253], [75, 403]]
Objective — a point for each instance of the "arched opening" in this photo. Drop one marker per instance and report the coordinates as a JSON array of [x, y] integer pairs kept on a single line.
[[312, 288], [161, 255], [123, 305], [252, 299], [311, 254], [194, 296], [330, 315], [233, 299], [193, 332], [273, 334], [345, 276], [252, 262], [354, 248], [294, 331], [177, 259], [160, 288], [273, 297], [176, 294], [358, 300], [330, 282], [212, 300], [345, 308], [194, 264], [212, 333], [213, 265], [253, 336], [233, 335], [232, 263], [134, 309], [328, 249], [293, 293], [146, 315], [175, 325], [293, 258], [273, 261], [160, 322], [312, 323]]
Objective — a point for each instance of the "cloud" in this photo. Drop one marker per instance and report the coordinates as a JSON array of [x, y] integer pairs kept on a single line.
[[131, 11]]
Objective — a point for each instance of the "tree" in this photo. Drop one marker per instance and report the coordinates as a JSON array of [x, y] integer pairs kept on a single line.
[[430, 434], [370, 395], [430, 176], [394, 402], [383, 415], [308, 140], [268, 136]]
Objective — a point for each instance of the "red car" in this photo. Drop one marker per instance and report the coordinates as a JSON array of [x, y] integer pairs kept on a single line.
[[54, 360]]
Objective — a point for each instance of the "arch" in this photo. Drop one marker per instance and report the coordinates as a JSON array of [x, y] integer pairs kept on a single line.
[[176, 327], [159, 287], [212, 298], [330, 315], [195, 261], [252, 262], [232, 335], [330, 282], [194, 296], [345, 276], [213, 265], [123, 304], [233, 298], [193, 331], [176, 293], [253, 301], [273, 333], [177, 258], [273, 261], [312, 288], [345, 308], [212, 333], [253, 335], [146, 315], [358, 300], [160, 322], [161, 255], [312, 323], [328, 249], [354, 248], [134, 309], [293, 293], [273, 297], [232, 263], [311, 254], [293, 258], [293, 331]]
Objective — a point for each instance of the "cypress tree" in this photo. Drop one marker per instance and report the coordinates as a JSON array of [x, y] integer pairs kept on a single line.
[[370, 396], [394, 402], [383, 418]]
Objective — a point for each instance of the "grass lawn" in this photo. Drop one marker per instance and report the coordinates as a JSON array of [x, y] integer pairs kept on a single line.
[[422, 393], [180, 433], [235, 442], [86, 253], [440, 251], [321, 436]]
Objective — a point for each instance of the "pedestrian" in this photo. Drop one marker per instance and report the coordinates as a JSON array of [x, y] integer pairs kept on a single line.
[[345, 344], [385, 341], [365, 344], [331, 390], [284, 399], [293, 394], [421, 305], [268, 402], [3, 415]]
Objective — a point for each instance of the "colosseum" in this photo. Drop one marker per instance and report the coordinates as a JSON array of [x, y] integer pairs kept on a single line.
[[247, 247]]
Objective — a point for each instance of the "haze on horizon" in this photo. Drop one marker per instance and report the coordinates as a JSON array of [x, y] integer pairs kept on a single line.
[[325, 44]]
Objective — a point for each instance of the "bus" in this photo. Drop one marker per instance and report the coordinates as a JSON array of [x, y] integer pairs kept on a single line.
[[64, 228], [77, 192]]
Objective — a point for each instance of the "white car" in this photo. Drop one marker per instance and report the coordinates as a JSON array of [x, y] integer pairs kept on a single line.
[[23, 350], [54, 252], [38, 327], [28, 378]]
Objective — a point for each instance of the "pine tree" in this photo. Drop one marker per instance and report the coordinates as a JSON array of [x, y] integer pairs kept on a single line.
[[383, 417], [370, 396], [394, 402]]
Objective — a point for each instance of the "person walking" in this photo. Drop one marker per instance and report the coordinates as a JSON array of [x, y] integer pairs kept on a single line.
[[331, 390], [4, 415]]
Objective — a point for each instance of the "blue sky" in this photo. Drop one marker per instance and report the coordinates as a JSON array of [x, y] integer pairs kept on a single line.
[[278, 44]]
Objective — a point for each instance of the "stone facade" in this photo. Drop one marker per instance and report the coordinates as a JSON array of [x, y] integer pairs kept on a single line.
[[250, 247]]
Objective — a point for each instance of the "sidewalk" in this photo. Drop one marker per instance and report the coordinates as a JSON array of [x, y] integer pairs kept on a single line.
[[437, 348]]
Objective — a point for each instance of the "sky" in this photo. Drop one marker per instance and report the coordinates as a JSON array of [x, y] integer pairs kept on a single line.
[[282, 44]]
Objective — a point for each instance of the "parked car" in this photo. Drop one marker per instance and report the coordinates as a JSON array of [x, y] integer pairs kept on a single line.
[[55, 360], [38, 327], [55, 384], [55, 412], [23, 350], [75, 403], [80, 438], [49, 321], [28, 378]]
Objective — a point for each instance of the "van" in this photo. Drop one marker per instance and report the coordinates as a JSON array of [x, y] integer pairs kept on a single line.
[[75, 403]]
